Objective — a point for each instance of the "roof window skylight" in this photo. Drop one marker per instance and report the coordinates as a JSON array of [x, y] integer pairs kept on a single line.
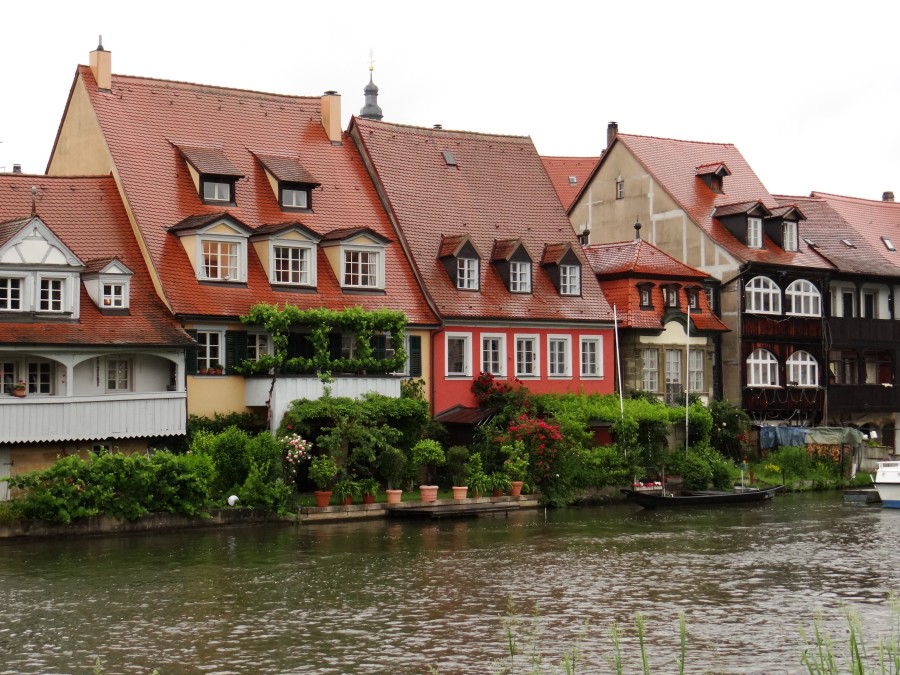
[[848, 243], [573, 180], [888, 244], [449, 158]]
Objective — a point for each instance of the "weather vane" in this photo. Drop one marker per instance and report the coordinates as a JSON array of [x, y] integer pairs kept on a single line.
[[371, 60]]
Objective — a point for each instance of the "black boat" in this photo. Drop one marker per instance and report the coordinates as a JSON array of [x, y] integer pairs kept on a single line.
[[653, 500]]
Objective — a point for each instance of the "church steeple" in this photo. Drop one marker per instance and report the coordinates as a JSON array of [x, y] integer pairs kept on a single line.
[[371, 110]]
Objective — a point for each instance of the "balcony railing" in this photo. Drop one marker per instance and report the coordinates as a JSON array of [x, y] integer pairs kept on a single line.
[[78, 418], [857, 331], [759, 326], [775, 399], [862, 397], [289, 388]]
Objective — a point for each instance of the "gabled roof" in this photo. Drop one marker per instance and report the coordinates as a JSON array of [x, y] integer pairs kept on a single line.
[[833, 219], [88, 217], [286, 169], [622, 267], [504, 249], [451, 246], [140, 119], [498, 190], [562, 170], [673, 164], [715, 168], [209, 160], [755, 208], [555, 253]]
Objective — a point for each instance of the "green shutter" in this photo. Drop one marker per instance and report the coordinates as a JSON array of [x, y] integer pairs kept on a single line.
[[414, 353], [235, 348], [190, 355]]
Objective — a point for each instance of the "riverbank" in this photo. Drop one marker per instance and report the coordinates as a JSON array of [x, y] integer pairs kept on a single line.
[[230, 517]]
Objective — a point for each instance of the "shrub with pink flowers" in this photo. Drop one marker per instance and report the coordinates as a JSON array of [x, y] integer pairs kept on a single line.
[[542, 441], [296, 452]]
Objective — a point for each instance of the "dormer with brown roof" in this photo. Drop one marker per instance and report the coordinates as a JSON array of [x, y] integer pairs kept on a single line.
[[108, 284], [745, 221], [563, 268], [213, 175], [291, 183], [461, 260], [216, 245], [511, 260], [713, 175], [288, 253]]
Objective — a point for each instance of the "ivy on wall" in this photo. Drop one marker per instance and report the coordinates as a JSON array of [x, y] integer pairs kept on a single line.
[[322, 329]]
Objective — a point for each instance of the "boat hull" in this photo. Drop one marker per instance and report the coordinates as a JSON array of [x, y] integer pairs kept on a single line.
[[887, 482], [653, 501]]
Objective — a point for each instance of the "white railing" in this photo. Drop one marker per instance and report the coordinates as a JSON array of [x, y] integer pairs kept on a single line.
[[74, 418], [290, 388]]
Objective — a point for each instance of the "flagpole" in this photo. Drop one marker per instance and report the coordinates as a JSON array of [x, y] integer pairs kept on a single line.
[[687, 380], [619, 364]]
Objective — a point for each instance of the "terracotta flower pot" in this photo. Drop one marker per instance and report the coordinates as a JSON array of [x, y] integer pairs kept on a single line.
[[393, 496], [460, 492], [516, 489], [18, 393], [428, 493], [496, 492], [322, 497], [347, 501], [368, 499]]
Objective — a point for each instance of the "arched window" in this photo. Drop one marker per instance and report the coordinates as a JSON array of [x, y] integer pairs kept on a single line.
[[803, 299], [763, 296], [762, 369], [802, 370]]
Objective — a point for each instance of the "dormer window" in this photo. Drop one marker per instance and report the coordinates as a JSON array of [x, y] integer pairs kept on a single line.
[[108, 283], [693, 298], [359, 264], [294, 197], [113, 296], [288, 253], [563, 267], [520, 277], [51, 295], [789, 236], [10, 294], [671, 295], [217, 190], [754, 232], [292, 265], [467, 274], [513, 264], [217, 246], [570, 279], [713, 175], [645, 294]]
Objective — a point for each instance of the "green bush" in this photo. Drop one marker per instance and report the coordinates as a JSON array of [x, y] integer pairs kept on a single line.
[[457, 456]]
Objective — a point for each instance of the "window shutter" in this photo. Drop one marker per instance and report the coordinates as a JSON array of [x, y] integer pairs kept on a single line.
[[415, 355], [235, 348], [190, 355]]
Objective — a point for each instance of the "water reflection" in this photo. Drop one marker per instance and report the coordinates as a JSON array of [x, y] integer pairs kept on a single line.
[[394, 597]]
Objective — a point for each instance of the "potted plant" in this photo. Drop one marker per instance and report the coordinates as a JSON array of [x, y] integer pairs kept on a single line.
[[346, 489], [428, 454], [476, 478], [515, 466], [322, 471], [457, 456], [392, 464], [216, 369], [18, 389], [368, 487], [499, 483], [204, 371]]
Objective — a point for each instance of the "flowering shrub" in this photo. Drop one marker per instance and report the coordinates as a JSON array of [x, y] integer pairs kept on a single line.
[[488, 390], [541, 440], [296, 452]]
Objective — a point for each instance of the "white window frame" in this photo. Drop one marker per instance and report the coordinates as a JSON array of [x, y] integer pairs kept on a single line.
[[754, 232], [257, 345], [8, 370], [671, 297], [521, 341], [803, 294], [292, 202], [763, 296], [121, 380], [63, 294], [589, 369], [375, 278], [674, 367], [39, 376], [519, 277], [789, 236], [206, 361], [215, 194], [802, 370], [696, 373], [6, 299], [570, 279], [693, 298], [305, 277], [113, 294], [238, 273], [559, 346], [501, 354], [467, 274], [466, 340], [620, 189], [762, 369], [650, 370]]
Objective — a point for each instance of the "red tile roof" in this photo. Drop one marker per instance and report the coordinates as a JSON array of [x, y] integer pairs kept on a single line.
[[673, 163], [498, 190], [208, 160], [621, 266], [143, 120], [88, 216], [831, 219], [561, 169]]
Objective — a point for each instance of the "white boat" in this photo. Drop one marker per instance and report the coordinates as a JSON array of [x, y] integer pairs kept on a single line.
[[887, 482]]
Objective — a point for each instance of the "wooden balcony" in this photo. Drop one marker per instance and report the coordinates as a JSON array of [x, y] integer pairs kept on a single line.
[[862, 398], [755, 326], [858, 332], [782, 399], [77, 418], [292, 387]]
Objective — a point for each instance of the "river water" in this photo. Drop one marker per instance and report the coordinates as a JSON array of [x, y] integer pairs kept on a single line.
[[400, 597]]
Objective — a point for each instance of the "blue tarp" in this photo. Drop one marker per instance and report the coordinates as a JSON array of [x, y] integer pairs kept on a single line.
[[771, 436]]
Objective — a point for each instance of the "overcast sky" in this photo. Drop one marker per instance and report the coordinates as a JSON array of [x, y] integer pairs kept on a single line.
[[807, 91]]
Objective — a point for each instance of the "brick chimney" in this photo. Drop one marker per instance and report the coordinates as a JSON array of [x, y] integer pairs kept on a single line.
[[331, 116], [612, 130], [17, 168], [887, 196], [101, 66]]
